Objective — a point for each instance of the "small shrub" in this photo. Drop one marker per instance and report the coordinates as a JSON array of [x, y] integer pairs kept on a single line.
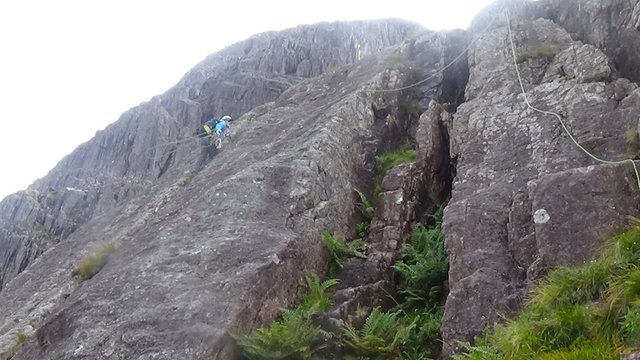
[[424, 338], [188, 178], [630, 326], [91, 264]]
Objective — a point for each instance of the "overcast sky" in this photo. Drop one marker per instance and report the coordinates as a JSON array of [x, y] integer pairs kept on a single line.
[[70, 67]]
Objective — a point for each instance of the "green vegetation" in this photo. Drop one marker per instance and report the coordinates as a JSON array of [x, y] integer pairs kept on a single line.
[[633, 141], [424, 266], [44, 234], [390, 159], [316, 299], [366, 207], [412, 107], [542, 51], [409, 331], [381, 336], [395, 61], [19, 340], [339, 249], [362, 229], [91, 264], [412, 329], [294, 336], [188, 178], [590, 312]]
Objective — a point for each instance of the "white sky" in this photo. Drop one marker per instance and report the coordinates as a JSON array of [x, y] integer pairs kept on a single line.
[[70, 67]]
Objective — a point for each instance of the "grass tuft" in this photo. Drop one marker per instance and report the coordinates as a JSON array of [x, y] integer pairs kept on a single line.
[[91, 264], [18, 342]]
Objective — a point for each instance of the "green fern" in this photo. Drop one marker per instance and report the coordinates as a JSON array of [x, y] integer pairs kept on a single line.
[[365, 206], [293, 337], [317, 298], [383, 333], [362, 229], [424, 266], [339, 249]]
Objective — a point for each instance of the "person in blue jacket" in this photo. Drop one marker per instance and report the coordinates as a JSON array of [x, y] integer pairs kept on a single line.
[[211, 137]]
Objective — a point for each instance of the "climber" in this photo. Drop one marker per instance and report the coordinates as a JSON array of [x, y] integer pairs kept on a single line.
[[211, 136], [220, 128]]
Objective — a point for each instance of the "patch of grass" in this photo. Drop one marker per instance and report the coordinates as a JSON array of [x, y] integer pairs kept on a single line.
[[91, 264], [388, 160], [18, 342], [588, 312], [294, 335], [542, 51]]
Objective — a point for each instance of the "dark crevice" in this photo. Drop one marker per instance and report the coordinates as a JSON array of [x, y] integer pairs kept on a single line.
[[455, 77]]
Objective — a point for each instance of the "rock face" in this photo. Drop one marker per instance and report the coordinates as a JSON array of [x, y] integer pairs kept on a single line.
[[526, 198], [222, 251], [611, 25], [151, 142], [202, 255]]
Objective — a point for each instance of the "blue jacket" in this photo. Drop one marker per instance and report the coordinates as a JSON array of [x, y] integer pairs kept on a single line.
[[221, 126]]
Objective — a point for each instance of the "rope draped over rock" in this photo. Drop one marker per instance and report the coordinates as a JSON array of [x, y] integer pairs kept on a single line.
[[558, 116]]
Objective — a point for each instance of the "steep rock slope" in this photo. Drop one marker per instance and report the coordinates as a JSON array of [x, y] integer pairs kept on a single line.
[[152, 142], [526, 198], [223, 251]]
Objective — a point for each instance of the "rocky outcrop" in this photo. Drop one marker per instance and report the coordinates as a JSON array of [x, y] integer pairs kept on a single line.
[[611, 25], [223, 251], [367, 283], [526, 198], [154, 141]]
